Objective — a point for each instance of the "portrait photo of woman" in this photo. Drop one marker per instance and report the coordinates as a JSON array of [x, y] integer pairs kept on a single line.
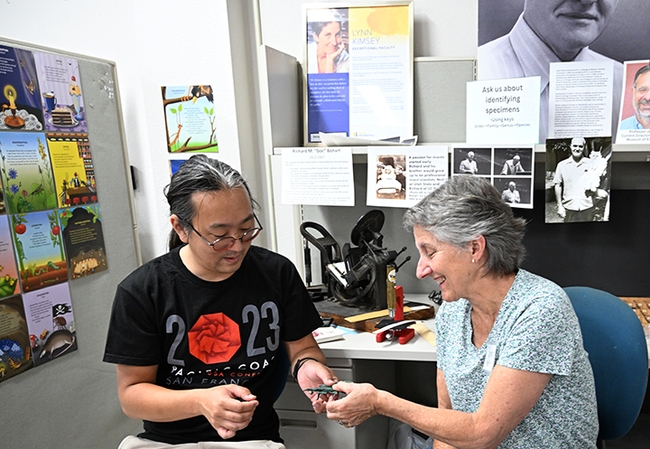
[[327, 33]]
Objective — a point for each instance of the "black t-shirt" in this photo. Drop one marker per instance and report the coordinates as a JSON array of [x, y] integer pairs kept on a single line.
[[203, 334]]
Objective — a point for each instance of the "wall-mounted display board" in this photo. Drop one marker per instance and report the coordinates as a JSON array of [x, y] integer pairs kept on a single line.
[[67, 238], [358, 64]]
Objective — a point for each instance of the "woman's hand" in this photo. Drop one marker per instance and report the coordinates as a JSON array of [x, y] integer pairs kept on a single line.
[[327, 64], [359, 404]]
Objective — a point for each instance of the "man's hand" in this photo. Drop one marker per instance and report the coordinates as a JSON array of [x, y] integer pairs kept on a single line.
[[228, 408], [312, 375], [561, 211]]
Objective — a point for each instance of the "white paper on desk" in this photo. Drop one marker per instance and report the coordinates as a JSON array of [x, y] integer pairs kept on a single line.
[[317, 176], [329, 333], [580, 99], [503, 111], [340, 139], [400, 177]]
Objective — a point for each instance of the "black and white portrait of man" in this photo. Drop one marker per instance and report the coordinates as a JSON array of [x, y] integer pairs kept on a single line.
[[521, 38]]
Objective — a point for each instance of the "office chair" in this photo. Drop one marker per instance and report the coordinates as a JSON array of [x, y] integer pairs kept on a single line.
[[614, 339]]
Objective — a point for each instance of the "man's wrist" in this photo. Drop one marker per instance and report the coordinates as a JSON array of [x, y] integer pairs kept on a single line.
[[299, 363]]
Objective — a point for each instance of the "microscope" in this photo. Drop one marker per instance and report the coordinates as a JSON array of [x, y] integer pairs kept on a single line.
[[362, 274]]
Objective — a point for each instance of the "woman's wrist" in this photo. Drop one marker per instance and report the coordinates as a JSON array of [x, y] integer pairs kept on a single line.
[[383, 402]]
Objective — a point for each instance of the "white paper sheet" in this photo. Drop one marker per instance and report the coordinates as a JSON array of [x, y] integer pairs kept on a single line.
[[580, 99], [400, 177], [317, 176], [340, 139]]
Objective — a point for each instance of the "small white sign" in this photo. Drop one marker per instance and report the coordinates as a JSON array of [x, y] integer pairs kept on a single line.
[[503, 111]]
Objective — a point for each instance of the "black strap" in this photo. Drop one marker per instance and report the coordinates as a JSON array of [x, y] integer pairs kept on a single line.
[[299, 364]]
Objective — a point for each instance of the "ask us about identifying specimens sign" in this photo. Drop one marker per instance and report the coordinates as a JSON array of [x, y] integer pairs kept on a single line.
[[359, 70]]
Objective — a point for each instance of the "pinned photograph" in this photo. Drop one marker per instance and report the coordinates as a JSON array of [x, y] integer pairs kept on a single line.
[[634, 126], [578, 176]]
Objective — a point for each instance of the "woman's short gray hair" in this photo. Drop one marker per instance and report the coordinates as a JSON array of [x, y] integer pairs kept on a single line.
[[466, 207]]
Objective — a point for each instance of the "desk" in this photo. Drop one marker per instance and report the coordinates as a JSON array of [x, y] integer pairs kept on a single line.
[[362, 346]]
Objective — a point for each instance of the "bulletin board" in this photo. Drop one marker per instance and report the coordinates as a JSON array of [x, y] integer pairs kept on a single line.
[[74, 398]]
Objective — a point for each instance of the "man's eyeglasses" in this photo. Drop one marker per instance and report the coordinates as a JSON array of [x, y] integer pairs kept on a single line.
[[224, 243]]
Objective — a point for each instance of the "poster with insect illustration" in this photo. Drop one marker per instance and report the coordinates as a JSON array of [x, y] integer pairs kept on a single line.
[[27, 176], [9, 284], [39, 250], [83, 240], [62, 95], [50, 322], [74, 173], [15, 347], [190, 119], [19, 92]]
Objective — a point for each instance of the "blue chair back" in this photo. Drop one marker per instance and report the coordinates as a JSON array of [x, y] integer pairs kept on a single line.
[[614, 339]]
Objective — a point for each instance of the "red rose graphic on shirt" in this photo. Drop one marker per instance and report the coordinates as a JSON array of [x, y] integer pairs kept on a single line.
[[214, 338]]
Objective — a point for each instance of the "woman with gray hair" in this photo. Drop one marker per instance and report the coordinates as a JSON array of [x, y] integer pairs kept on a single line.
[[512, 370]]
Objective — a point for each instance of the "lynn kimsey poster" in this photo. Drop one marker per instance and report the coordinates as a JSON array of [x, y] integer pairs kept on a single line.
[[359, 71]]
